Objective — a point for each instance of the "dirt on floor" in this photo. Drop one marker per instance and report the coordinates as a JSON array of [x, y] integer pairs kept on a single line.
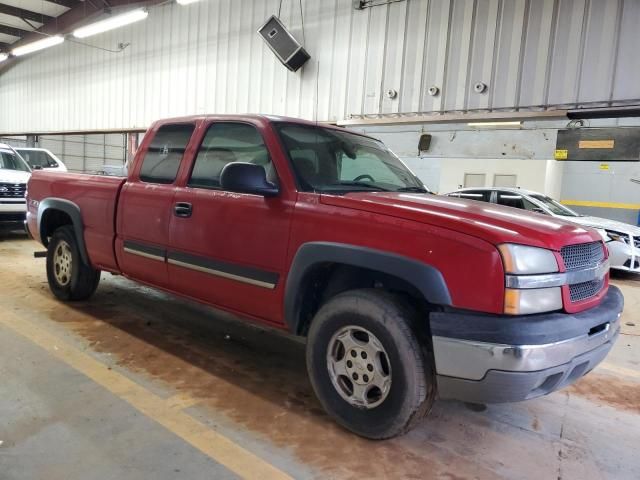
[[609, 390], [254, 380]]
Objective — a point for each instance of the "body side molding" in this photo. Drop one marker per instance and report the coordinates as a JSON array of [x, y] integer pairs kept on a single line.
[[425, 278]]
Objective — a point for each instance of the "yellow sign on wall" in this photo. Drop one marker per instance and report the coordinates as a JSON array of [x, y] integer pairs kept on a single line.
[[604, 166], [560, 154]]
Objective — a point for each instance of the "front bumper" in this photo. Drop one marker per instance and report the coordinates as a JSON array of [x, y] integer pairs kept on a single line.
[[10, 206], [12, 212], [624, 256], [496, 359]]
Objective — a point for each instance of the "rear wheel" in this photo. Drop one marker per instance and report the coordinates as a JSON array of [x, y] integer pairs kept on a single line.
[[367, 366], [68, 276]]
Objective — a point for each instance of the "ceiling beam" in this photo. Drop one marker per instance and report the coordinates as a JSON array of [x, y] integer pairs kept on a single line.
[[81, 12], [13, 31], [24, 14], [67, 3]]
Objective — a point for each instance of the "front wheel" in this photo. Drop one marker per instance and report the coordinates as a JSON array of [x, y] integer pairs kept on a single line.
[[68, 276], [366, 364]]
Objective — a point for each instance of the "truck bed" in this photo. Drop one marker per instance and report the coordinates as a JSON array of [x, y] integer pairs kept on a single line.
[[97, 197]]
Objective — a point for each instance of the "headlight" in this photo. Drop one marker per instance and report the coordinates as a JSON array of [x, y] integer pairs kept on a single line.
[[523, 260], [617, 236], [530, 263], [525, 302]]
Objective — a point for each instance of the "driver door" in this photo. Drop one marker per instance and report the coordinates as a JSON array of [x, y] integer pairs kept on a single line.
[[226, 248]]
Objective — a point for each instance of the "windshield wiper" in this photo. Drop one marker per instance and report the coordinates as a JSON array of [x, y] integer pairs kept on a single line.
[[413, 189], [360, 185]]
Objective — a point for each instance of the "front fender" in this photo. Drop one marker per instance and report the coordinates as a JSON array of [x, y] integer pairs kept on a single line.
[[425, 278], [73, 211]]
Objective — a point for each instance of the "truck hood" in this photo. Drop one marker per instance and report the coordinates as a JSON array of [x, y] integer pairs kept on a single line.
[[606, 224], [13, 176], [490, 222]]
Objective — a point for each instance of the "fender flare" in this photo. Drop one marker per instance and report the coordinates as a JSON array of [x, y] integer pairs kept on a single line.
[[425, 278], [71, 209]]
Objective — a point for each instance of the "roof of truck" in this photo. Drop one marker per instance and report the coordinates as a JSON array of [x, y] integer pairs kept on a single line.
[[256, 116]]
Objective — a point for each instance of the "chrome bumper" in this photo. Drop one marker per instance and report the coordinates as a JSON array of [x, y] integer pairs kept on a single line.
[[494, 372]]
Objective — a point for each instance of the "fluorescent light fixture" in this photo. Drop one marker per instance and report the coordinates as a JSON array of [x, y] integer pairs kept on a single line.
[[494, 124], [186, 2], [3, 57], [111, 23], [38, 45]]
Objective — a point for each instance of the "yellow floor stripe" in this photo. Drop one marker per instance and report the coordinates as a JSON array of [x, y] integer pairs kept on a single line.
[[216, 446], [589, 203], [625, 372], [181, 401]]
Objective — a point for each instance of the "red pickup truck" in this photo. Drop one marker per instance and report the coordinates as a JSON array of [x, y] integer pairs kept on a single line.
[[402, 295]]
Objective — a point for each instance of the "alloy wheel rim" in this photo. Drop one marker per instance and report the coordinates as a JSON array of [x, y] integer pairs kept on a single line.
[[359, 367], [62, 263]]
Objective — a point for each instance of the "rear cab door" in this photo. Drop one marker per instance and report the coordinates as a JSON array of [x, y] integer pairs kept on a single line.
[[145, 206]]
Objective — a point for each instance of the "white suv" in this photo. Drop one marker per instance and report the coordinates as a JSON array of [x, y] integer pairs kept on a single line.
[[622, 239], [14, 175]]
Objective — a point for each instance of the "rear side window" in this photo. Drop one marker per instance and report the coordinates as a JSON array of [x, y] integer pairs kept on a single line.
[[37, 158], [480, 195], [162, 160], [226, 143], [509, 199]]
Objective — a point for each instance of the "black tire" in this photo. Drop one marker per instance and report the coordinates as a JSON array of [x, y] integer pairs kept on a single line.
[[391, 320], [81, 280]]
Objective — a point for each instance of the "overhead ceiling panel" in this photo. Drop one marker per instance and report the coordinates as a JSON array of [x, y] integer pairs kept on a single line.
[[4, 38], [17, 22], [18, 18], [40, 6]]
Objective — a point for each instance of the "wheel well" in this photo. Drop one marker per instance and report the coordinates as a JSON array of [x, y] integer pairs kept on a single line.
[[52, 219], [325, 281]]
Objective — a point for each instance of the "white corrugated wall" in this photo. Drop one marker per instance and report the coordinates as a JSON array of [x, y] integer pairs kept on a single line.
[[207, 57]]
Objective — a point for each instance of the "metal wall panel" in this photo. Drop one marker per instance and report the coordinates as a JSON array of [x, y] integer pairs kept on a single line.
[[207, 57], [87, 153]]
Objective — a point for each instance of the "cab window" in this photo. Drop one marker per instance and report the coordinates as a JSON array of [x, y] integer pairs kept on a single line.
[[226, 143], [163, 157]]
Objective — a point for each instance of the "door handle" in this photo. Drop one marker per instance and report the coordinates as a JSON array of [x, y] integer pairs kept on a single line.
[[182, 209]]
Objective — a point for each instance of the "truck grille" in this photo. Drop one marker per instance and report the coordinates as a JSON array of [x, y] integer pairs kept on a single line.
[[586, 290], [12, 190], [583, 255]]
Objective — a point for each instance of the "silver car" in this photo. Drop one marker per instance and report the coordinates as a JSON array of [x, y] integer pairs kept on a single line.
[[623, 239]]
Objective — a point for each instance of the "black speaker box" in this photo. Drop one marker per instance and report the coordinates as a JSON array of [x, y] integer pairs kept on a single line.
[[283, 44], [424, 143]]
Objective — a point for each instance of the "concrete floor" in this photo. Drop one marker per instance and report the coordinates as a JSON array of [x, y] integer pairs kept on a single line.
[[136, 384]]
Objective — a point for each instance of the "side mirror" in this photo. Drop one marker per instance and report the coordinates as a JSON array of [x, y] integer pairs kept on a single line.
[[244, 177], [37, 167], [539, 210]]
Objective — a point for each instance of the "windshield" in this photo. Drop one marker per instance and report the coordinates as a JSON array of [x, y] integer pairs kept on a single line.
[[555, 207], [11, 161], [37, 158], [326, 160]]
